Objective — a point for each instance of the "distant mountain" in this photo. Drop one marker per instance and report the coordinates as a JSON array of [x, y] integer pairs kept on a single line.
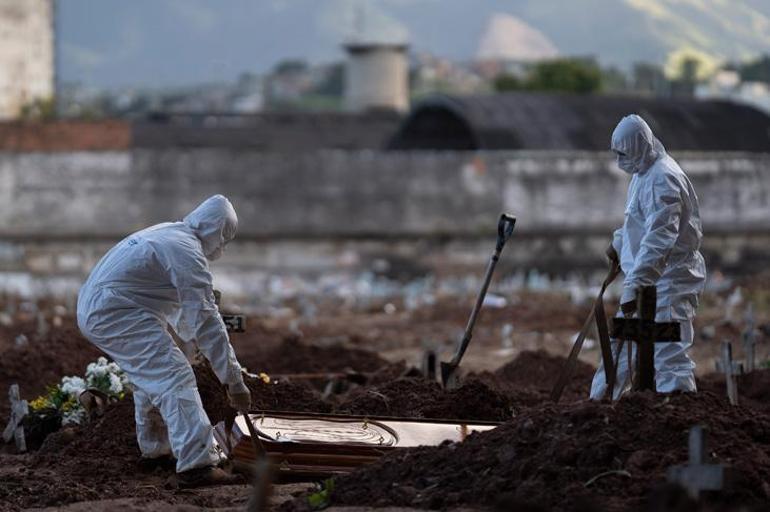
[[507, 37], [162, 42], [616, 31]]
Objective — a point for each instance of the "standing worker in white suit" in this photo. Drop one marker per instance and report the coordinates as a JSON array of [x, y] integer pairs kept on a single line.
[[657, 245], [155, 278]]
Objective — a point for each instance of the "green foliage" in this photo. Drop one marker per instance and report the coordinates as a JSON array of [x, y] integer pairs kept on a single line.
[[334, 83], [322, 498], [559, 75], [505, 82], [290, 66], [39, 109], [757, 70], [567, 75]]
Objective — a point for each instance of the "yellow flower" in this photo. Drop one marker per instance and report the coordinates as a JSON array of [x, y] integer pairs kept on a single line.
[[69, 405], [38, 403]]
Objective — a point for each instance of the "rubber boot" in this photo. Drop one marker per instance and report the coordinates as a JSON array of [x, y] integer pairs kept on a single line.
[[202, 477]]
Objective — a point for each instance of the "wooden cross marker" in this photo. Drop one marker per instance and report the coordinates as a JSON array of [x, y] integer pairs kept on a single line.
[[728, 367], [645, 332], [698, 474], [19, 409], [429, 363], [749, 338]]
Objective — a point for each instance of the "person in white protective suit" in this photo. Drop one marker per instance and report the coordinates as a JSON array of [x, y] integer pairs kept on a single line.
[[155, 278], [658, 245]]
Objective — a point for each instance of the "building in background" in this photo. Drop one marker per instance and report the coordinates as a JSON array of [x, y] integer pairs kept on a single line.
[[26, 56], [377, 76], [726, 84]]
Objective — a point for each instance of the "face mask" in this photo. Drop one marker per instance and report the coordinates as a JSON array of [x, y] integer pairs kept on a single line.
[[626, 164], [215, 254]]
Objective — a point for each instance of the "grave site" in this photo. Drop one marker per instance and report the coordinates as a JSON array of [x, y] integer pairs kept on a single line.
[[349, 409]]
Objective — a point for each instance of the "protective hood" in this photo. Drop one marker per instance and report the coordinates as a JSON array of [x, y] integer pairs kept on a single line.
[[214, 222], [636, 146]]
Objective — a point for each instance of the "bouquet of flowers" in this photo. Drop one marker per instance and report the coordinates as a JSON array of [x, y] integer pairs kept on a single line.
[[60, 407]]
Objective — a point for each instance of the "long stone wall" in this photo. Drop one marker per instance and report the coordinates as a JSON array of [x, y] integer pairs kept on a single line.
[[59, 211]]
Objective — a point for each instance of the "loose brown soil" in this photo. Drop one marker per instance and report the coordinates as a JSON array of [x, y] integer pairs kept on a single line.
[[550, 457], [418, 398], [530, 377], [543, 454]]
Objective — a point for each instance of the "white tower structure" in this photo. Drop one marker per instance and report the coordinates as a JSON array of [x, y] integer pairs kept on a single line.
[[26, 54], [377, 77]]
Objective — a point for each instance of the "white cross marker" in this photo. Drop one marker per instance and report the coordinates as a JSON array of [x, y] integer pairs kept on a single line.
[[19, 409]]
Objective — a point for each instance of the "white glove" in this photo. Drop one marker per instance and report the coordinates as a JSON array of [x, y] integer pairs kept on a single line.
[[239, 396]]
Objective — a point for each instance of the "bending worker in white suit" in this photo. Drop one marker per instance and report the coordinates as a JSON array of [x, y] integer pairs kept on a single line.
[[658, 245], [155, 278]]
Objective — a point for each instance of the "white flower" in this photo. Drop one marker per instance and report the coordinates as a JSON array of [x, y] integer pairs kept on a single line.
[[97, 369], [116, 386], [73, 417], [73, 386]]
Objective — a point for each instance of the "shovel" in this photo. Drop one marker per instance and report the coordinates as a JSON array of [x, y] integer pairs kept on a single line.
[[448, 370]]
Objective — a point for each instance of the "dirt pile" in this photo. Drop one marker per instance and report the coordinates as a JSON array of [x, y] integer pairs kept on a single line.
[[530, 377], [551, 456], [418, 398], [42, 360], [276, 395], [753, 388], [80, 464]]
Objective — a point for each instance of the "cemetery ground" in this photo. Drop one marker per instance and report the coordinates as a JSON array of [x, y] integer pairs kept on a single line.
[[574, 455]]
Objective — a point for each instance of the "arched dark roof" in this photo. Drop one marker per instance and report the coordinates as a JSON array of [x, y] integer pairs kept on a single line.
[[524, 120]]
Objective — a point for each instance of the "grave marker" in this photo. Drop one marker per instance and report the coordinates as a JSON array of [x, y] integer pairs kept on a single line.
[[727, 364], [698, 474], [19, 409], [645, 332]]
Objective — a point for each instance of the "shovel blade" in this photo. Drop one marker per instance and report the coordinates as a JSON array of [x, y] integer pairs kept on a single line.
[[449, 375]]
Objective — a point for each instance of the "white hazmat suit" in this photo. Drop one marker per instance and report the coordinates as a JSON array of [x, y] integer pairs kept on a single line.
[[152, 279], [658, 245]]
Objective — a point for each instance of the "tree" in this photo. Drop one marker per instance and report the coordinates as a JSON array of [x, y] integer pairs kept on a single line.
[[567, 75], [290, 66], [333, 84], [39, 109], [757, 70], [505, 82]]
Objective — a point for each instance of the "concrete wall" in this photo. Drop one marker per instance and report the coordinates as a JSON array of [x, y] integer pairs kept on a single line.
[[316, 211]]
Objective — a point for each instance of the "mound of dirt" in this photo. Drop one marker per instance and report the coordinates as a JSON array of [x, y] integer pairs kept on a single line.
[[419, 398], [86, 463], [753, 388], [43, 360], [277, 395], [552, 456], [530, 377]]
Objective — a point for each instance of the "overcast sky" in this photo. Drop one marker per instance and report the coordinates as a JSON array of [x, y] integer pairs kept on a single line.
[[161, 42], [108, 43]]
